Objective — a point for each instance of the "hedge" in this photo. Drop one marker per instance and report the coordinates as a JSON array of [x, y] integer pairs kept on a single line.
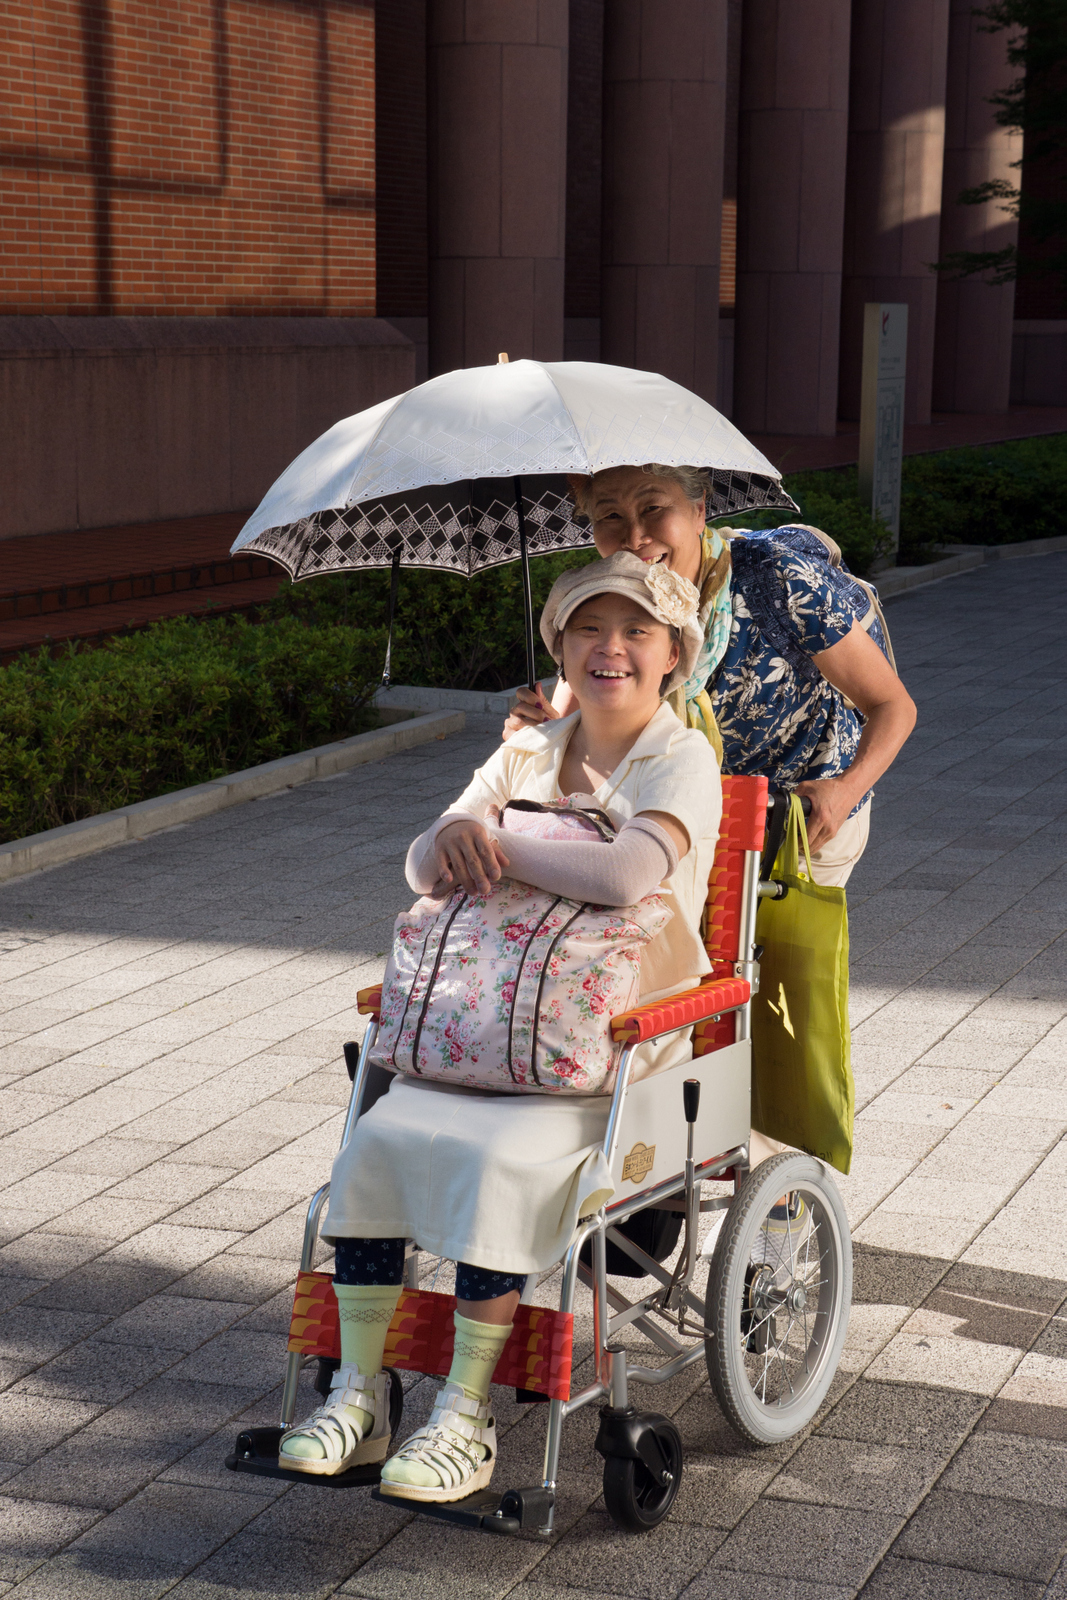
[[180, 703], [450, 632], [988, 494], [985, 494]]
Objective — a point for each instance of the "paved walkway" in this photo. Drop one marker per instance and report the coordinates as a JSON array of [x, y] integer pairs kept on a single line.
[[172, 1020]]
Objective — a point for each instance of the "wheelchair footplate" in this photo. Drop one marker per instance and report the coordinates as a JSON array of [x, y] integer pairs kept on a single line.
[[256, 1451], [514, 1511]]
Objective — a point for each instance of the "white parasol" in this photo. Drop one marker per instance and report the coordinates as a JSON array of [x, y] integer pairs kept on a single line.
[[467, 471]]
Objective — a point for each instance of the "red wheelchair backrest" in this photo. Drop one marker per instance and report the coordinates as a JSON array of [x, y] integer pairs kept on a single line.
[[744, 818]]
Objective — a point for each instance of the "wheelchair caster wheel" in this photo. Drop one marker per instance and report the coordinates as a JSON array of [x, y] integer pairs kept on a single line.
[[778, 1298], [640, 1489]]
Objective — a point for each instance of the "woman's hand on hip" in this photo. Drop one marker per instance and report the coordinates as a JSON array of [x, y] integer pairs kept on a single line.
[[467, 856], [832, 800]]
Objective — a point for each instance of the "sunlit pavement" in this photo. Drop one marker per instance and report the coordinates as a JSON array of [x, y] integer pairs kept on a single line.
[[171, 1021]]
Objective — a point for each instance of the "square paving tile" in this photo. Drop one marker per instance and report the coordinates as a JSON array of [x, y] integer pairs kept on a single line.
[[926, 1351], [1014, 1467], [277, 1569], [986, 1534], [31, 1531], [794, 1541], [96, 1371], [91, 1469], [909, 1417], [927, 1580], [864, 1475], [30, 1424]]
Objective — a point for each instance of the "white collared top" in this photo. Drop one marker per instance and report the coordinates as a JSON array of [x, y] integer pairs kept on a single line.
[[671, 769]]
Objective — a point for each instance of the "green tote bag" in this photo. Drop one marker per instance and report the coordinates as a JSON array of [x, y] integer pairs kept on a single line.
[[802, 1089]]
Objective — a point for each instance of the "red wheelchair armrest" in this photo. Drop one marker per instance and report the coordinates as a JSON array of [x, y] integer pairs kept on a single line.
[[679, 1010], [369, 1002]]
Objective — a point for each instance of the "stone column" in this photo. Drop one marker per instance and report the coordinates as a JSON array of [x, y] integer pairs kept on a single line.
[[497, 160], [790, 214], [893, 203], [664, 111], [972, 349]]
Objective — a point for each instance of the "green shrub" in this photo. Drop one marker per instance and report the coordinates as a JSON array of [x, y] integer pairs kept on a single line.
[[183, 702], [450, 632], [830, 500], [988, 494]]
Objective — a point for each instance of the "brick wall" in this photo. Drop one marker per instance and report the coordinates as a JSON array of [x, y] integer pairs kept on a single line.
[[187, 157]]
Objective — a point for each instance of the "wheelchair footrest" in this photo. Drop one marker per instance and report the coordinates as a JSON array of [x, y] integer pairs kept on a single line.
[[514, 1511], [256, 1451]]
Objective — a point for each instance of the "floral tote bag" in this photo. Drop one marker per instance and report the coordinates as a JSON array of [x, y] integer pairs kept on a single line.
[[515, 990]]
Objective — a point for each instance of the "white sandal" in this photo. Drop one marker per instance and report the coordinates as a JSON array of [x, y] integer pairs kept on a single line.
[[444, 1446], [346, 1444]]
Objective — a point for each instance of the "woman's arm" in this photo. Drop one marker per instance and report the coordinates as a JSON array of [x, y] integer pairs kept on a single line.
[[642, 854], [463, 852], [857, 667]]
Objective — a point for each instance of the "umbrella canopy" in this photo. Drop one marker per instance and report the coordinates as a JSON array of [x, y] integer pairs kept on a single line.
[[428, 478]]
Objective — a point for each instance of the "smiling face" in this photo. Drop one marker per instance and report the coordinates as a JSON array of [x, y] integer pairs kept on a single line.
[[616, 654], [652, 517]]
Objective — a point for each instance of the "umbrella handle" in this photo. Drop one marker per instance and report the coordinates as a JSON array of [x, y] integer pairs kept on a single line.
[[527, 597], [387, 670]]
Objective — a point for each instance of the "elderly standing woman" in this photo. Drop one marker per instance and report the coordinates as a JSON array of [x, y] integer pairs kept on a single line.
[[828, 734]]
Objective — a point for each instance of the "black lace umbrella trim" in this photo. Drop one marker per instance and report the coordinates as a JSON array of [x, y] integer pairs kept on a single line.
[[467, 527]]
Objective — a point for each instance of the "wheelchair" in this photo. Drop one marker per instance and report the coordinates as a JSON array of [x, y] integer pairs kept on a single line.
[[771, 1321]]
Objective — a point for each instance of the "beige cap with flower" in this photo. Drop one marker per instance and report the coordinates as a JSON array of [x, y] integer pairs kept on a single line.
[[664, 594]]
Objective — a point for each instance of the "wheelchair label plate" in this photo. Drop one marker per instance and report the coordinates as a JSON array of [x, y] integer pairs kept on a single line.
[[642, 1159]]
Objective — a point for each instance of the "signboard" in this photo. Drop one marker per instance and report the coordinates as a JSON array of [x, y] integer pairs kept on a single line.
[[885, 352]]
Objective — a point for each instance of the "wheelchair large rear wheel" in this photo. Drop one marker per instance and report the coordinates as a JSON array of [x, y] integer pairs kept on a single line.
[[778, 1298]]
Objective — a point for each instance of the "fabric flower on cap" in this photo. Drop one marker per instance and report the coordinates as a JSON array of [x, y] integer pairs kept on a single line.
[[676, 599]]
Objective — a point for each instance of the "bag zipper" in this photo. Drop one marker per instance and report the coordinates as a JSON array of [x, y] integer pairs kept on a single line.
[[567, 926], [429, 987], [522, 962]]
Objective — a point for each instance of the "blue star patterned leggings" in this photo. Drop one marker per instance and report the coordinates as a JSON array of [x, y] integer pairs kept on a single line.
[[381, 1261]]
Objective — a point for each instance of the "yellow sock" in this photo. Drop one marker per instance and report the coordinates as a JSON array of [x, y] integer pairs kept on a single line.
[[366, 1311], [478, 1348]]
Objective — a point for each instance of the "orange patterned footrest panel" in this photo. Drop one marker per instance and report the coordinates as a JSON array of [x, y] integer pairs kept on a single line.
[[537, 1356], [369, 1001], [680, 1010]]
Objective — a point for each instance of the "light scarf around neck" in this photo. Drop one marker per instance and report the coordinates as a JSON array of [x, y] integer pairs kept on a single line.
[[690, 701]]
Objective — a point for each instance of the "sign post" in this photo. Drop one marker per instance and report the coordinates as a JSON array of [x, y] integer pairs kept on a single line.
[[885, 351]]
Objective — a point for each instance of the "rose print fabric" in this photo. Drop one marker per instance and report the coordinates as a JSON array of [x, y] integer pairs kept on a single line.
[[514, 990]]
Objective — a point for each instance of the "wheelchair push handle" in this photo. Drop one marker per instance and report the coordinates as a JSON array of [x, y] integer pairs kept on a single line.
[[691, 1099], [777, 817]]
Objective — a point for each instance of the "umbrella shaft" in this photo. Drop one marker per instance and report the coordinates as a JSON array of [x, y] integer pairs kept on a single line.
[[527, 596]]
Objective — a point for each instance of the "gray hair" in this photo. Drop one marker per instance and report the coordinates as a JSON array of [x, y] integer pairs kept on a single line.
[[694, 483]]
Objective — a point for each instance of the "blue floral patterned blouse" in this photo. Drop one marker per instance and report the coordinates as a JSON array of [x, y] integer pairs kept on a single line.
[[775, 717]]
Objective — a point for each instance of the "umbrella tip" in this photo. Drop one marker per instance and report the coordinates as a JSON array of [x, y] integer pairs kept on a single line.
[[502, 359]]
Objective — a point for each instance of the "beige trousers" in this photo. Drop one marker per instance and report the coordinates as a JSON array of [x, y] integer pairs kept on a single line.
[[831, 865]]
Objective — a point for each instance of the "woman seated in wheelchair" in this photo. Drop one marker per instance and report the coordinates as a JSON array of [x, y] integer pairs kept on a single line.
[[497, 1181]]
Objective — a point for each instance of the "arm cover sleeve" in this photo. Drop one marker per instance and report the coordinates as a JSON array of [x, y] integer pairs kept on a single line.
[[617, 874]]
